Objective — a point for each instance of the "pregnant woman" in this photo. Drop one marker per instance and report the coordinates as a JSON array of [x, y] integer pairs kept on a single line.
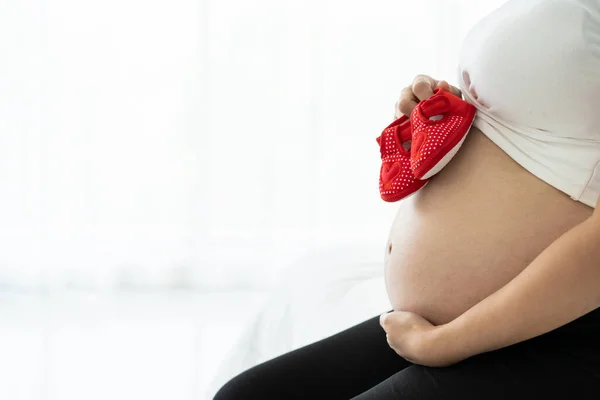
[[493, 267]]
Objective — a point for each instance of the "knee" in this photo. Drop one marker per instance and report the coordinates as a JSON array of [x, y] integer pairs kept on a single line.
[[230, 390], [244, 386]]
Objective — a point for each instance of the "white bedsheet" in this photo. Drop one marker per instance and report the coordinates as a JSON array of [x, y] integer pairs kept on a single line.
[[322, 294]]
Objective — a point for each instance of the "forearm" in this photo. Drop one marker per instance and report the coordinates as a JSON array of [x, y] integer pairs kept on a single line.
[[560, 285]]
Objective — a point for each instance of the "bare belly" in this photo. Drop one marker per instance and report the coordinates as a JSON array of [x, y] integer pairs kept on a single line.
[[470, 230]]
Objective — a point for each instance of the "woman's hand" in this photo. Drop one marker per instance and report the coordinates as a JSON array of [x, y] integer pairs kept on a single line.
[[417, 340], [421, 89]]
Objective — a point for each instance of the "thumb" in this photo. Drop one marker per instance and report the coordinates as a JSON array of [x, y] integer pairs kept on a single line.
[[446, 86]]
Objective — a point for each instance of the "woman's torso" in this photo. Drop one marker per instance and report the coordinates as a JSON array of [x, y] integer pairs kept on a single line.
[[470, 230]]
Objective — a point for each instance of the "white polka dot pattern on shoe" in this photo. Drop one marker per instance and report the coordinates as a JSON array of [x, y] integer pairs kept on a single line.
[[396, 179], [435, 137], [435, 141]]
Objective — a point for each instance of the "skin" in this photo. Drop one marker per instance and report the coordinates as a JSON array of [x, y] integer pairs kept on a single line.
[[539, 252]]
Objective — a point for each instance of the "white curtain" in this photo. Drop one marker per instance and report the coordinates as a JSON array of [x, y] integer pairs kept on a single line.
[[200, 143]]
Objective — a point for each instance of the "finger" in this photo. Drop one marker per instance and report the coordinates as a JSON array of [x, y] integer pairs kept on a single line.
[[389, 342], [456, 91], [423, 86], [407, 102], [446, 86], [383, 320], [397, 113]]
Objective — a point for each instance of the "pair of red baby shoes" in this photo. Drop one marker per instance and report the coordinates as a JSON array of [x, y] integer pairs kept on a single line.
[[416, 148]]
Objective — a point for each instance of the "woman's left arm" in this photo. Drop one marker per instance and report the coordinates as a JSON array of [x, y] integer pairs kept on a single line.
[[560, 285]]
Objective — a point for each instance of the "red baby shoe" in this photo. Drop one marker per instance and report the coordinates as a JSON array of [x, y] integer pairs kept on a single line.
[[440, 125], [396, 180]]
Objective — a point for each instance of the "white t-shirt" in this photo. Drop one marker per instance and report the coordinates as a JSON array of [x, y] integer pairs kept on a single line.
[[532, 69]]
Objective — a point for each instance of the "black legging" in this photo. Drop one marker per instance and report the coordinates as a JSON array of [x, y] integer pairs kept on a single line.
[[358, 364]]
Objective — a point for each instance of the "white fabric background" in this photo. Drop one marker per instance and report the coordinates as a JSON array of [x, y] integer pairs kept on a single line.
[[200, 143]]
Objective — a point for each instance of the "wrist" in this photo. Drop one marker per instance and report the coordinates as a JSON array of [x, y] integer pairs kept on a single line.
[[451, 340]]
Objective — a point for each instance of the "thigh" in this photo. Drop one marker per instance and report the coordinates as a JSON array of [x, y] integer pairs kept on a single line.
[[522, 371], [338, 367]]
